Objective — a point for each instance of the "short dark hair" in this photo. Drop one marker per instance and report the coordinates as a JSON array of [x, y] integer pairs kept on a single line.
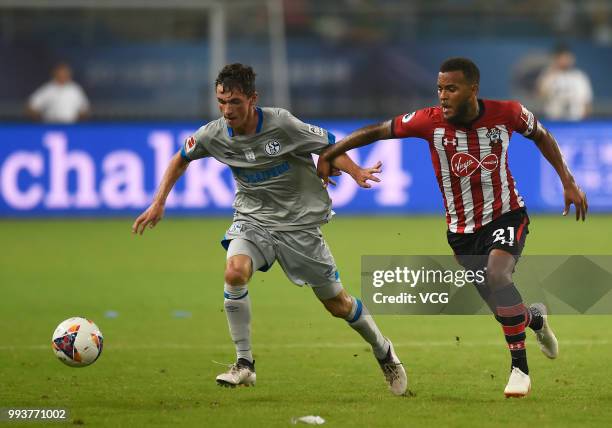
[[561, 48], [60, 64], [237, 76], [467, 66]]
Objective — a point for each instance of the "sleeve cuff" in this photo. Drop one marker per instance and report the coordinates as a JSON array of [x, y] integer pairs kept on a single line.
[[184, 155], [331, 138]]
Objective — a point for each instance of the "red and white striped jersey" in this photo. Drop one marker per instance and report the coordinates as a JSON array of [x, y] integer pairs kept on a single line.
[[471, 163]]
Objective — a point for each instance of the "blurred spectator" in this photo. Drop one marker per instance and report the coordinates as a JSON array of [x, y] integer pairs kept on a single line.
[[601, 16], [60, 100], [565, 89]]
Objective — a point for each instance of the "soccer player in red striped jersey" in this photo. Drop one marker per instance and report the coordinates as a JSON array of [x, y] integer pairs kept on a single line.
[[487, 219]]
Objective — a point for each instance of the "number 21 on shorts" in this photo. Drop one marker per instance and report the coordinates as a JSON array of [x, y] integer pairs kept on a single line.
[[500, 236]]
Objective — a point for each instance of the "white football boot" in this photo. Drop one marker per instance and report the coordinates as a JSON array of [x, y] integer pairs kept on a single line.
[[519, 384], [545, 337], [240, 373], [394, 372]]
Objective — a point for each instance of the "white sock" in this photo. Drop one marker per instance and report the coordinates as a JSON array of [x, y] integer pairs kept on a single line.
[[362, 322], [238, 311]]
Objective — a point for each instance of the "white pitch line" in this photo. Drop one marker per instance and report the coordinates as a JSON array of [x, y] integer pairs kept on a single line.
[[320, 345]]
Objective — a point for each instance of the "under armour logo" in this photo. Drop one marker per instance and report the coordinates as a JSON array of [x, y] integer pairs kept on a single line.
[[448, 141]]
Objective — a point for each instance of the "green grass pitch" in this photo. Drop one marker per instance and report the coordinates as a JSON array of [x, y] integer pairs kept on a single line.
[[157, 369]]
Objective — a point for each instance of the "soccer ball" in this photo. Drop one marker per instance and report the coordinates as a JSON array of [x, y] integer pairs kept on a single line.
[[77, 342]]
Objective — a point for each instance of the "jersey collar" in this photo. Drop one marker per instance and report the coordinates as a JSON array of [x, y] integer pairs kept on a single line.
[[230, 131], [481, 112]]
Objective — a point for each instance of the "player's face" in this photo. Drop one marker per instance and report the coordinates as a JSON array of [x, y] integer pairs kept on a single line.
[[565, 60], [62, 74], [455, 94], [235, 107]]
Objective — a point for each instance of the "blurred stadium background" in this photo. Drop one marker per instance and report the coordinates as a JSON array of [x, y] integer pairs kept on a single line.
[[147, 68], [154, 60]]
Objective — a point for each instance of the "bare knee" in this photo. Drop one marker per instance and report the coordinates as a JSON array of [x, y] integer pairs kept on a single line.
[[236, 277], [497, 279], [238, 270], [499, 269], [339, 306]]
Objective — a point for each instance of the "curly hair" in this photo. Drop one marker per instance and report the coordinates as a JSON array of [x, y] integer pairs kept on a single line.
[[465, 65], [237, 77]]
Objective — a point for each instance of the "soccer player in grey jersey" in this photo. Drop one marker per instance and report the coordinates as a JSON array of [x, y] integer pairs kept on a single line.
[[279, 206]]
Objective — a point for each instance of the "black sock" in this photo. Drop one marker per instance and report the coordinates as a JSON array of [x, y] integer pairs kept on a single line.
[[537, 320], [513, 316]]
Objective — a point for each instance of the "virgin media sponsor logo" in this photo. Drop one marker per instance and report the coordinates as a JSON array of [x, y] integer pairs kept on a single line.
[[464, 164]]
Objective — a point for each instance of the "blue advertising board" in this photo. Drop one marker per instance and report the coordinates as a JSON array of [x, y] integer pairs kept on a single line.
[[113, 169]]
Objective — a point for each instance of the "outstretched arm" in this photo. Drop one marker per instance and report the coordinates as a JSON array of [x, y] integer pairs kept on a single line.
[[547, 144], [361, 175], [358, 138], [155, 212]]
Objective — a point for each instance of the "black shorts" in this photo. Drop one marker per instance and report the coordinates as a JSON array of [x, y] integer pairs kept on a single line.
[[507, 233]]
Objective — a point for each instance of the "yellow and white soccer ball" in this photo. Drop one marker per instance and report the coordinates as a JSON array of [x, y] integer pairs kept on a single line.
[[77, 342]]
